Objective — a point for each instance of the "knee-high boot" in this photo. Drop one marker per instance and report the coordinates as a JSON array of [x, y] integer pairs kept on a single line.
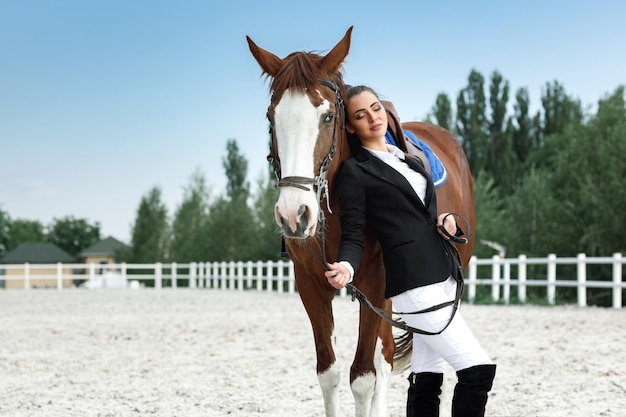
[[470, 392], [423, 395]]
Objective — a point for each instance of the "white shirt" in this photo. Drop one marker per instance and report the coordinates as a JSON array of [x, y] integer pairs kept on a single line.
[[395, 159]]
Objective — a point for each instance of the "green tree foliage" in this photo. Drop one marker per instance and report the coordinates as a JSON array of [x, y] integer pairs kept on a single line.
[[559, 110], [442, 111], [5, 237], [587, 179], [72, 234], [230, 228], [499, 153], [149, 236], [524, 137], [15, 232], [571, 201], [268, 237], [471, 121], [491, 217], [186, 243], [236, 169]]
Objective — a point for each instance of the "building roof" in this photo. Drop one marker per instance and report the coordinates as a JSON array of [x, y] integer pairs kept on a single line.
[[106, 247], [37, 253]]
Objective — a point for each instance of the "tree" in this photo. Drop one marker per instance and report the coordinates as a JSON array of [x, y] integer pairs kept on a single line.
[[559, 110], [499, 157], [491, 218], [72, 234], [236, 168], [5, 237], [188, 220], [150, 230], [268, 236], [230, 228], [471, 121], [523, 139], [588, 179], [442, 111]]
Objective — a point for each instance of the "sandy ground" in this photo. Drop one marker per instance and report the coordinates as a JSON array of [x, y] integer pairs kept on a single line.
[[224, 353]]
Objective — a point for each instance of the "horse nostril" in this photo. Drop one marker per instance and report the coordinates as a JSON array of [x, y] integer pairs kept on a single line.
[[301, 210]]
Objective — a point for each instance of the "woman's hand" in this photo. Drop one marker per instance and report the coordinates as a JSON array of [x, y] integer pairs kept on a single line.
[[448, 222], [337, 275]]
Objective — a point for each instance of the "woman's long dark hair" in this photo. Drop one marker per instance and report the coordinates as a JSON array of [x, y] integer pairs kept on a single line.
[[353, 140]]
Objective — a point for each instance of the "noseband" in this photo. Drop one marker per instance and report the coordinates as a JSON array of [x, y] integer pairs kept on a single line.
[[319, 182]]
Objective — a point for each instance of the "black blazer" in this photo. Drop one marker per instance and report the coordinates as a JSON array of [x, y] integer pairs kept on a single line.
[[374, 195]]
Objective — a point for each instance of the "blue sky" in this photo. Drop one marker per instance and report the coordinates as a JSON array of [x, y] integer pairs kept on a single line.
[[102, 100]]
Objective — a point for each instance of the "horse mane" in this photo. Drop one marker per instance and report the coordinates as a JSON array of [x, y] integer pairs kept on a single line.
[[301, 71]]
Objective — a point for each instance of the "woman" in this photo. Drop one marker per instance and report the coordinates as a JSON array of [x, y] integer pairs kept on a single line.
[[393, 196]]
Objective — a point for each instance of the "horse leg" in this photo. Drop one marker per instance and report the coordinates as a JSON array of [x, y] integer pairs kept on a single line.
[[383, 361], [319, 309], [369, 374]]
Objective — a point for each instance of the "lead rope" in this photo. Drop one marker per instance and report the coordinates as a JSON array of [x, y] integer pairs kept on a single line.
[[386, 314]]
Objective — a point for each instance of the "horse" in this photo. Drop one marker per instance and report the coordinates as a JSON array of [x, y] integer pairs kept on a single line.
[[308, 145]]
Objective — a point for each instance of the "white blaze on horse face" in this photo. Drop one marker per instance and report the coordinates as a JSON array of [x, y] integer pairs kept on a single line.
[[297, 126]]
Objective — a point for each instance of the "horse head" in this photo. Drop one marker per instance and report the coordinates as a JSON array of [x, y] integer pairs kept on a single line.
[[306, 123]]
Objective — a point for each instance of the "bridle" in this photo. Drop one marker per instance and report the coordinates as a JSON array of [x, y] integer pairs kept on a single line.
[[319, 182], [320, 185]]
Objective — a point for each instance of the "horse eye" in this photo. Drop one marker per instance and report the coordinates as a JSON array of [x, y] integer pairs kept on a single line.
[[328, 117]]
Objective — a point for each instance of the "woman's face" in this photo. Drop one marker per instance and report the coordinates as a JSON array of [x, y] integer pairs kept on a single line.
[[367, 118]]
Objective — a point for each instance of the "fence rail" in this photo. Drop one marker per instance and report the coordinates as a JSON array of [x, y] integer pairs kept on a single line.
[[501, 275]]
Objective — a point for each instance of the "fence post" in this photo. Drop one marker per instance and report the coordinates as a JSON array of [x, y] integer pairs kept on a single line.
[[472, 272], [193, 267], [221, 275], [259, 275], [551, 277], [240, 276], [123, 271], [212, 270], [59, 276], [495, 277], [270, 276], [92, 272], [158, 275], [248, 274], [581, 273], [617, 280], [292, 278], [231, 275], [204, 274], [174, 275], [507, 282], [521, 276], [26, 275], [280, 275]]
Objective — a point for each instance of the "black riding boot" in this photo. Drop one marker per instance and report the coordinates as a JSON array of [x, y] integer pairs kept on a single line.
[[470, 392], [423, 395]]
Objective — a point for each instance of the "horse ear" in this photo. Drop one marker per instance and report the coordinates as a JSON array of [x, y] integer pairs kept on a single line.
[[333, 60], [270, 63]]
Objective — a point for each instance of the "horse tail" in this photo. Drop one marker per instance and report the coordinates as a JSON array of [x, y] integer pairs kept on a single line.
[[402, 355]]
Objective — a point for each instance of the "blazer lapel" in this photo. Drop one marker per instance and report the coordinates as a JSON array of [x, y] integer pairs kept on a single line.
[[381, 170], [430, 186]]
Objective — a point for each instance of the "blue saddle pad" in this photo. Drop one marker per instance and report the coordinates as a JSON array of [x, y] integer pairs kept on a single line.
[[438, 172]]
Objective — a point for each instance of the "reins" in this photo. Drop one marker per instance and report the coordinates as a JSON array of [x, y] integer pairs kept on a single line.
[[321, 183]]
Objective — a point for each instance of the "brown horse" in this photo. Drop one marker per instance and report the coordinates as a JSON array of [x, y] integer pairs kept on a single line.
[[308, 146]]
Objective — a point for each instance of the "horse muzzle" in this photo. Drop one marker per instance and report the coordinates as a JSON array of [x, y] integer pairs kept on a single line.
[[298, 224]]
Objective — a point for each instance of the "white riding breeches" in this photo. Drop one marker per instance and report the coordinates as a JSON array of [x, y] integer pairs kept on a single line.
[[456, 345]]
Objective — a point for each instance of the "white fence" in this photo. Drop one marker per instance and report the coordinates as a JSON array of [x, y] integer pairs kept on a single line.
[[502, 274]]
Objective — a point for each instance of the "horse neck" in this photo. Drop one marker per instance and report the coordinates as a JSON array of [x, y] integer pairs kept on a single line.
[[342, 153]]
